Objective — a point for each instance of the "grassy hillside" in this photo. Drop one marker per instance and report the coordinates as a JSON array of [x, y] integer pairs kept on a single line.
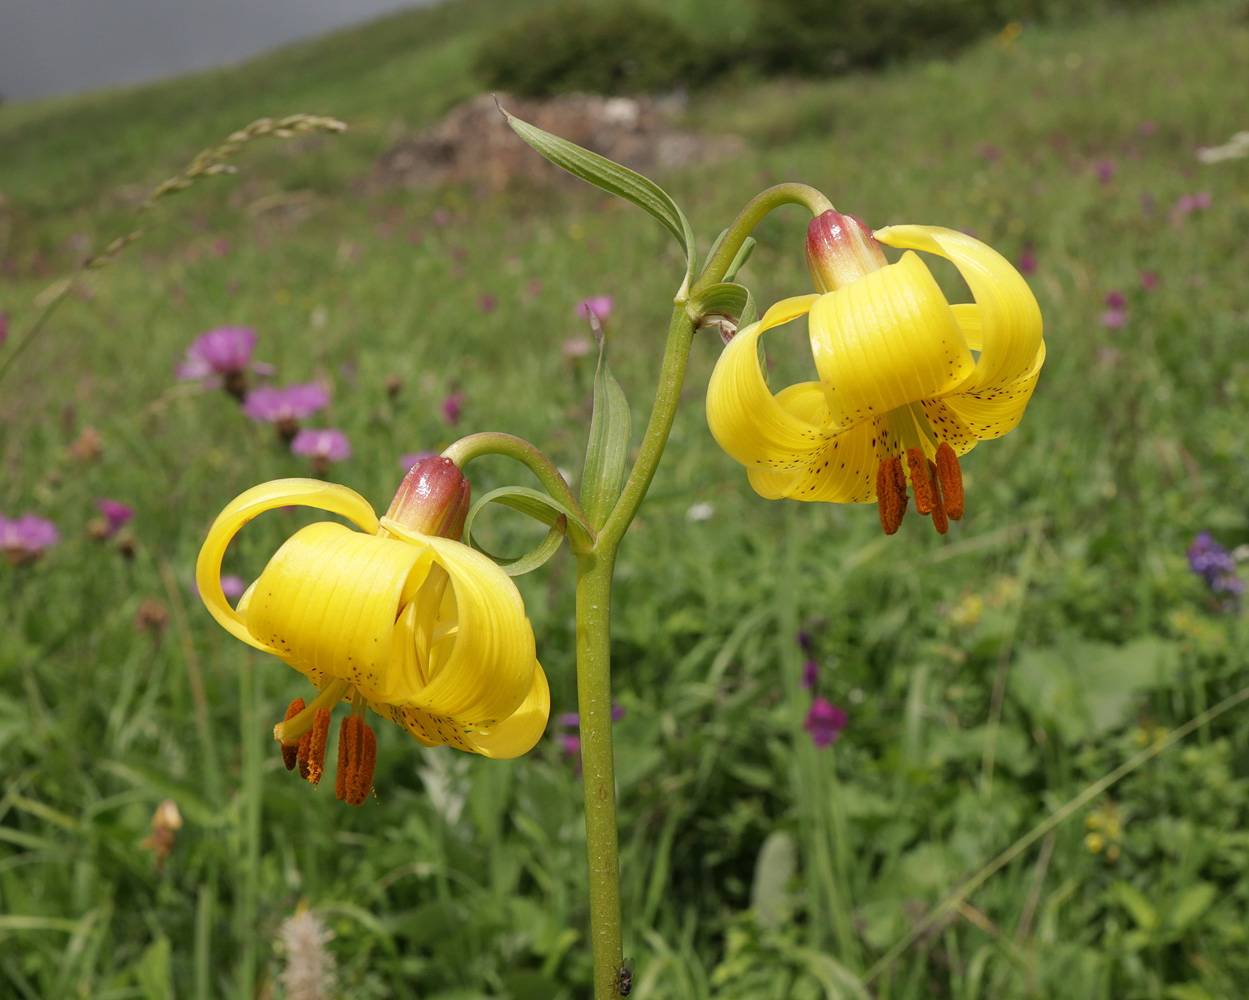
[[989, 676]]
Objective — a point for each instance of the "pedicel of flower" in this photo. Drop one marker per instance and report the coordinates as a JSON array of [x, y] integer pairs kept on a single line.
[[900, 395], [418, 627]]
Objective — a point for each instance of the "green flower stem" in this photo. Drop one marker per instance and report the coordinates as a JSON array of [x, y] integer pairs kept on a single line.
[[534, 459], [594, 578], [749, 217], [598, 771]]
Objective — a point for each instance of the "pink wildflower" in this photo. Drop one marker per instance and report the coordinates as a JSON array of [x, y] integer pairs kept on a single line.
[[287, 406], [600, 305], [825, 722], [24, 540], [116, 515], [411, 458], [4, 328], [488, 303], [322, 446], [451, 407], [1105, 170], [1149, 280], [1027, 261], [222, 357]]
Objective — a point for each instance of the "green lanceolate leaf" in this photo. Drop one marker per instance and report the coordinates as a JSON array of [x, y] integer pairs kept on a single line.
[[608, 450], [726, 305], [611, 177], [540, 507]]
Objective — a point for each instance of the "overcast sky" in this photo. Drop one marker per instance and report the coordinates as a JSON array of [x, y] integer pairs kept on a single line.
[[55, 46]]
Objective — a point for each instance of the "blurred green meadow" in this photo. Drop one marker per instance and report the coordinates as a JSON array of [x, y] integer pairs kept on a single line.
[[989, 676]]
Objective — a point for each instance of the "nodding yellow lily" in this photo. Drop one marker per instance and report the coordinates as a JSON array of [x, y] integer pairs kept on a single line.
[[907, 381], [418, 627]]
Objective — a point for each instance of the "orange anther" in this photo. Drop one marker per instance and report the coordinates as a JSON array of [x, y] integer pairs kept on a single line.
[[939, 519], [920, 480], [357, 757], [290, 751], [311, 755], [951, 477], [891, 498]]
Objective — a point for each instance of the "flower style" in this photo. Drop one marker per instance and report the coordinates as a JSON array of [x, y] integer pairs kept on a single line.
[[907, 381], [397, 617], [223, 357], [24, 539]]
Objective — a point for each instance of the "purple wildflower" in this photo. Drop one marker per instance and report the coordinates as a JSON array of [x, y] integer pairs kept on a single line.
[[1027, 261], [451, 407], [989, 151], [1214, 564], [4, 328], [23, 540], [322, 446], [410, 458], [600, 305], [488, 303], [287, 406], [825, 722], [810, 670], [1105, 170], [222, 357], [116, 515], [1116, 314], [1149, 280], [803, 638], [232, 586]]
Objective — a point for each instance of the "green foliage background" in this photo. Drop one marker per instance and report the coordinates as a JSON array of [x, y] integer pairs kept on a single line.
[[989, 676]]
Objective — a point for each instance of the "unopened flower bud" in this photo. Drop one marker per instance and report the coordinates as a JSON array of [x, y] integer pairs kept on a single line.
[[840, 251], [433, 499]]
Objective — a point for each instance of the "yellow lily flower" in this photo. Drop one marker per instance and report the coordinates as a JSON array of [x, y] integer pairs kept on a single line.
[[907, 381], [422, 629]]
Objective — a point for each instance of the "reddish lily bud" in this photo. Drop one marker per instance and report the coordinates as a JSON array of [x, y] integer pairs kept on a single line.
[[433, 499], [840, 250]]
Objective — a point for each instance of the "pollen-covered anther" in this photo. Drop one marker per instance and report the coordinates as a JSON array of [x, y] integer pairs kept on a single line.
[[290, 751], [357, 758], [939, 519], [921, 482], [950, 475], [311, 755], [891, 498]]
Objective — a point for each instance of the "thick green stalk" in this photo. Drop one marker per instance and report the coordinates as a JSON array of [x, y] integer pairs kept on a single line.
[[598, 772], [594, 577]]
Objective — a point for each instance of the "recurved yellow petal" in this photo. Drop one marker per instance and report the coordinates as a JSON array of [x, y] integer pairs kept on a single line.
[[842, 471], [742, 413], [247, 505], [991, 412], [886, 340], [328, 601], [520, 731], [1009, 313]]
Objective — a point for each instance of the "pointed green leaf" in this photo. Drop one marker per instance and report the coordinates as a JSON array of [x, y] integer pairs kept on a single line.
[[612, 178], [608, 449]]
